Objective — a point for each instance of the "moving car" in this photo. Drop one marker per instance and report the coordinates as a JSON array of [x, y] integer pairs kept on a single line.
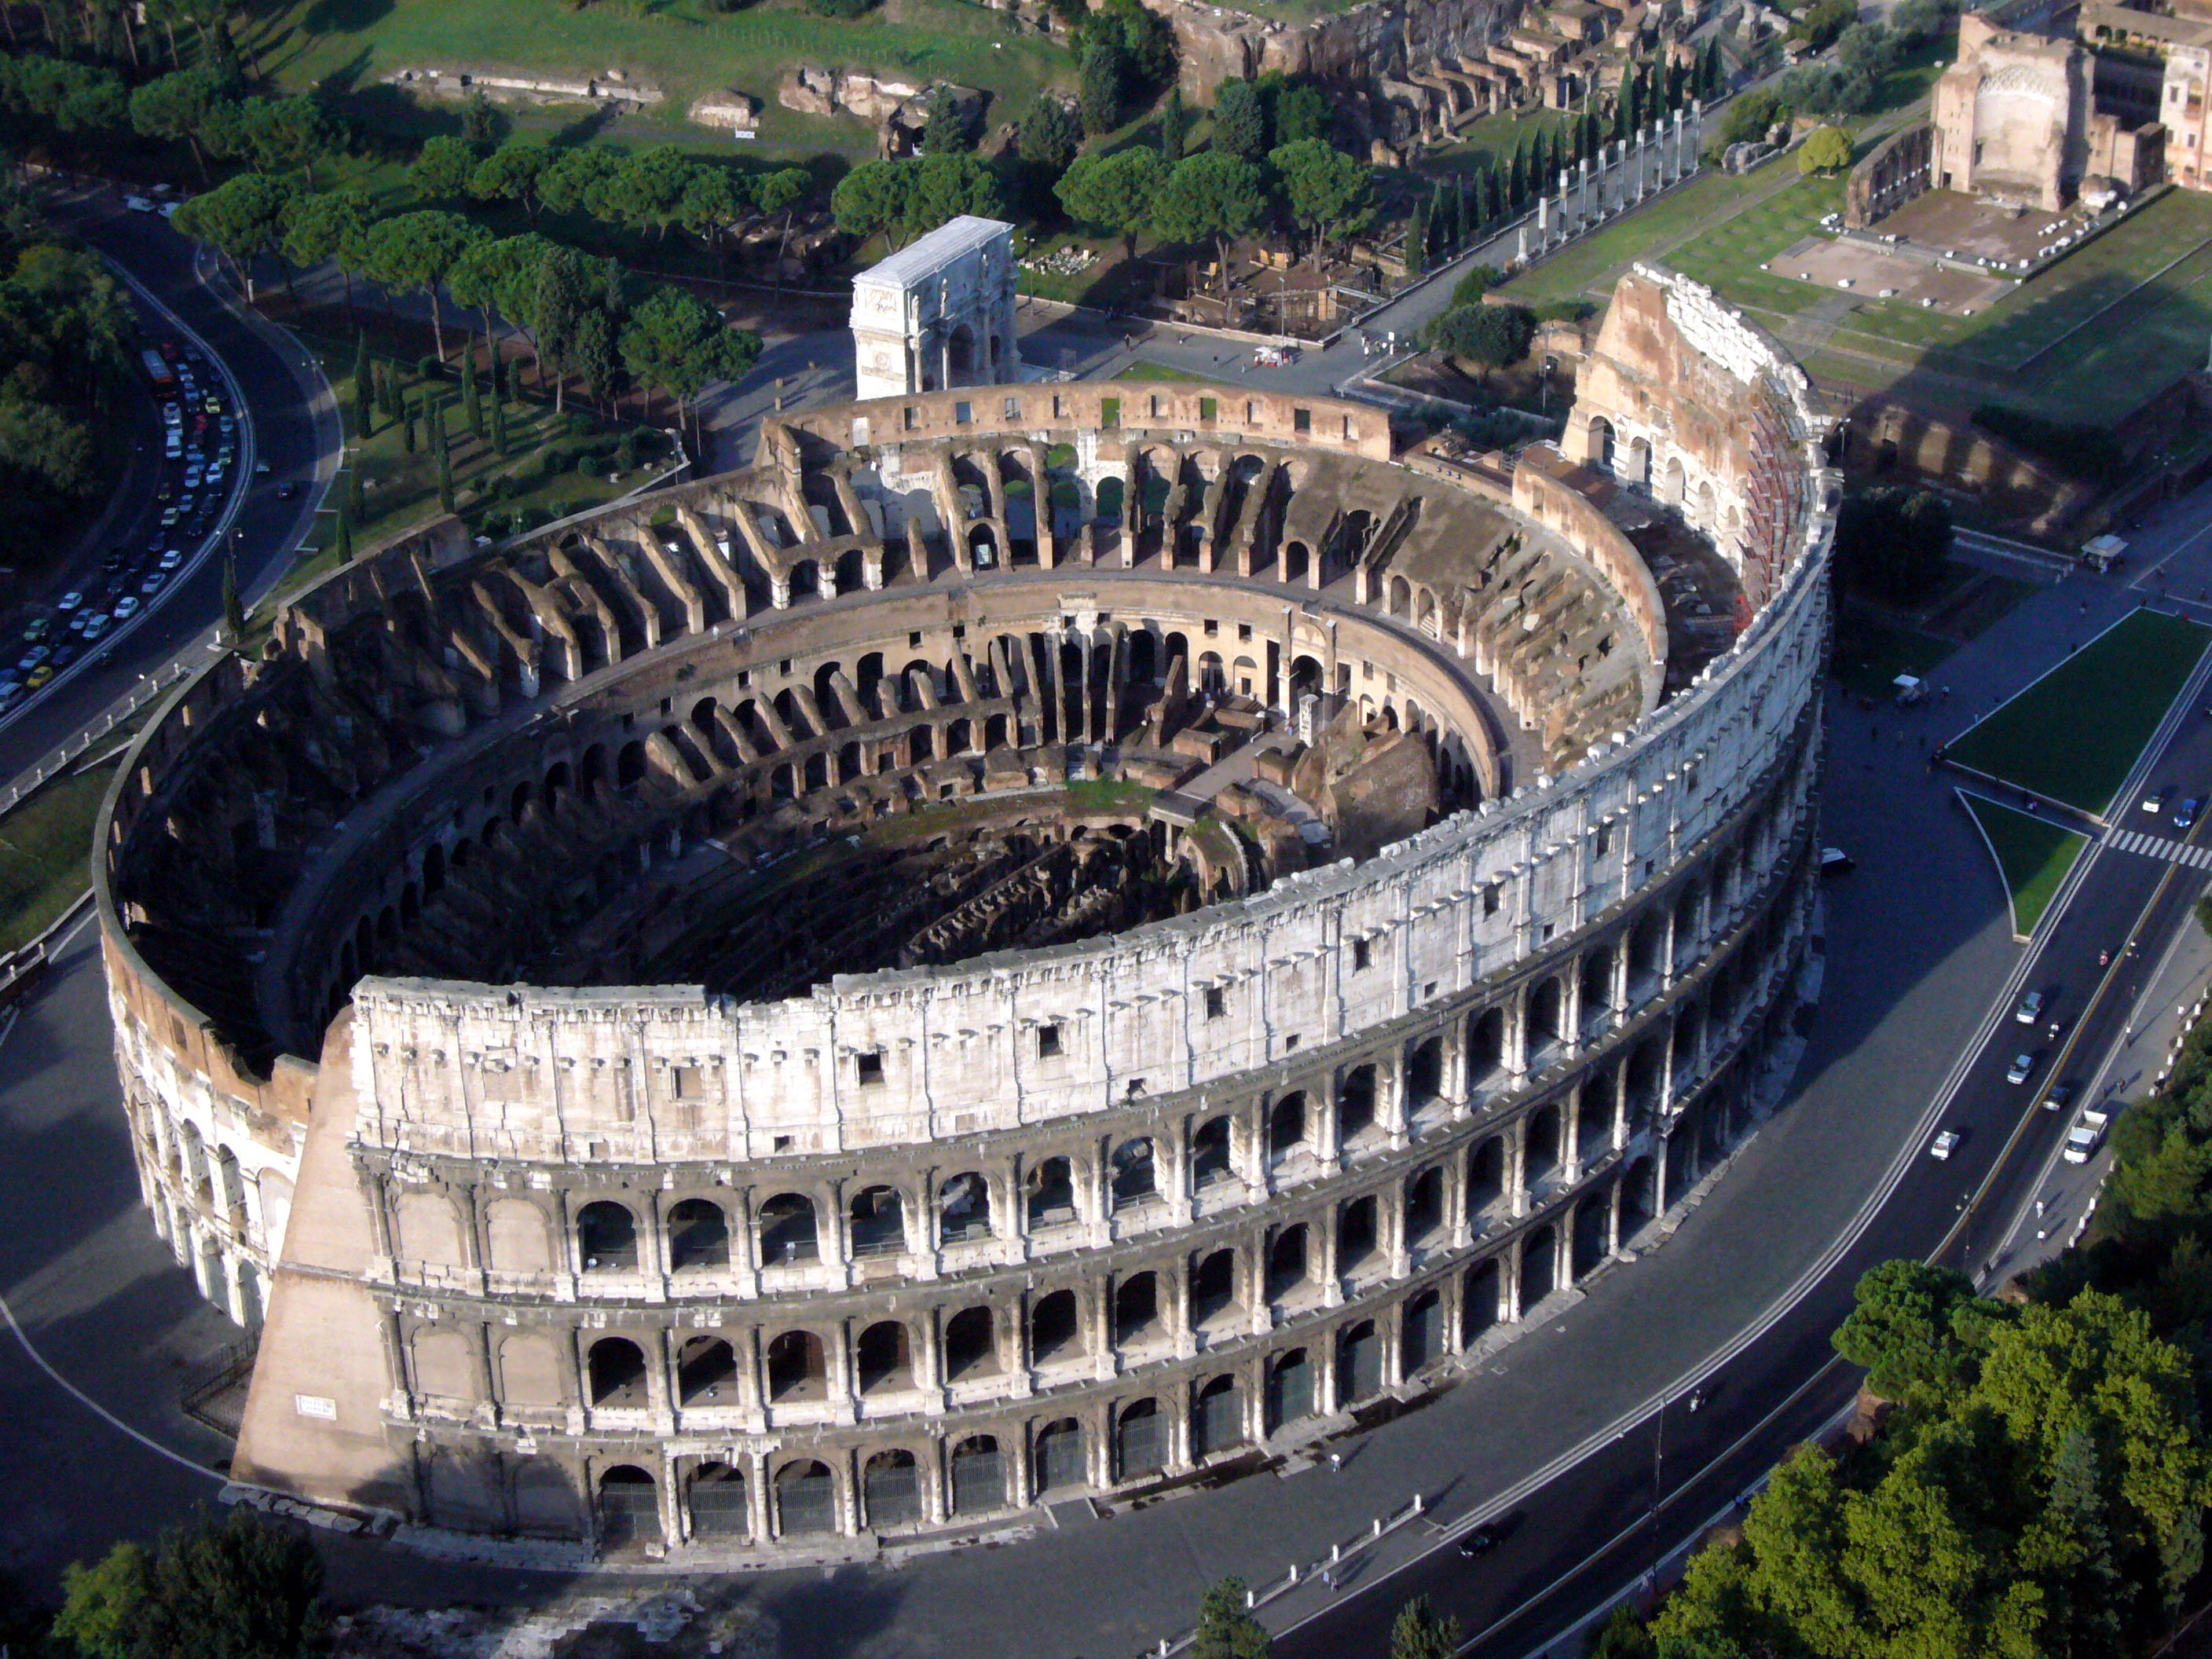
[[2086, 1134], [39, 677], [2154, 801], [2030, 1009], [2185, 814], [32, 659], [125, 606], [152, 585], [1941, 1149], [171, 559], [95, 624], [1479, 1540], [2021, 1065]]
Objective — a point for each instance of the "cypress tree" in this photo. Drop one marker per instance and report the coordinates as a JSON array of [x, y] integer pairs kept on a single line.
[[499, 427], [1516, 181], [234, 608], [1443, 231], [1416, 240], [1495, 201], [356, 502], [1468, 210], [407, 425], [445, 467], [364, 388], [1175, 127], [345, 537], [471, 395]]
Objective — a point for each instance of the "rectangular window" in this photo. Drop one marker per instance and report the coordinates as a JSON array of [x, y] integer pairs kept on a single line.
[[1049, 1041], [683, 1082], [1110, 412], [1208, 407], [1152, 406], [1213, 629], [1244, 630], [1216, 1002], [961, 413], [1301, 420], [870, 1066], [1604, 839], [1362, 953], [1492, 896], [908, 412], [1013, 408], [1349, 434]]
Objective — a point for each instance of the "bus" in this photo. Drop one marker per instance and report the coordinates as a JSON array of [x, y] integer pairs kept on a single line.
[[156, 370]]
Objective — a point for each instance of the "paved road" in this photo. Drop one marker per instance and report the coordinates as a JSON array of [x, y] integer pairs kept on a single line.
[[294, 430]]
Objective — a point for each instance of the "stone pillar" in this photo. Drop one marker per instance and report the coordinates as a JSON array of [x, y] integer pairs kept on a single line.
[[1179, 1328], [1520, 250], [1543, 240], [1323, 1232], [1515, 1172], [1394, 1240]]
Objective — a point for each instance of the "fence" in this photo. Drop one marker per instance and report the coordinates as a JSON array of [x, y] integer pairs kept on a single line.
[[71, 751]]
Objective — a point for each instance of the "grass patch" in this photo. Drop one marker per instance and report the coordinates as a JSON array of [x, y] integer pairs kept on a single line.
[[1870, 655], [2033, 855], [2074, 735], [1156, 372], [46, 851], [683, 48]]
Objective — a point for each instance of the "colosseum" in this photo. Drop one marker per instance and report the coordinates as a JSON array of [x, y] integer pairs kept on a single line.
[[1040, 941]]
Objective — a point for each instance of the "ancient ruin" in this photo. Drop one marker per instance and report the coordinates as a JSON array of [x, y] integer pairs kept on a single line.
[[938, 313], [1039, 941]]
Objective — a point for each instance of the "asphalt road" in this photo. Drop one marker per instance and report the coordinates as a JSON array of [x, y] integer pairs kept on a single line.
[[294, 429]]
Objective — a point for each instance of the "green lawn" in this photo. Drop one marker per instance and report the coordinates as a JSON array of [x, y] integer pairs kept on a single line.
[[45, 849], [1870, 655], [2074, 735], [2033, 855], [1156, 372], [683, 48]]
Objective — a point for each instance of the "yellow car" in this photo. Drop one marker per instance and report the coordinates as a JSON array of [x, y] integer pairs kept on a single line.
[[39, 677]]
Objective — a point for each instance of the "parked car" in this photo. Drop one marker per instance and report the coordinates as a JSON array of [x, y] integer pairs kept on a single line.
[[38, 675], [2087, 1135], [126, 606], [152, 585], [95, 624], [171, 559], [32, 659], [138, 204]]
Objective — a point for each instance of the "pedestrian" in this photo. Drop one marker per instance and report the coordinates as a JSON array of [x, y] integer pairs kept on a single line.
[[1336, 1462]]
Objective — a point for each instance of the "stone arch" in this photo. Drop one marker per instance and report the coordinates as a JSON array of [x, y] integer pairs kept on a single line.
[[805, 1498], [978, 1477], [614, 1373], [1213, 1284], [1140, 1440], [1286, 1125], [606, 1237], [883, 1359], [1289, 1396], [1421, 1332], [1061, 1460], [1136, 1172], [1050, 1193], [1217, 1416], [890, 1489], [1355, 1103], [787, 1230], [706, 1373], [1479, 1302], [1289, 1261], [797, 1368], [715, 1496], [1540, 1266], [1486, 1174], [878, 1221], [1358, 1363], [1136, 1310], [1210, 1153], [530, 1371], [963, 1208], [698, 1236], [442, 1363], [970, 1342], [430, 1229], [1055, 1327]]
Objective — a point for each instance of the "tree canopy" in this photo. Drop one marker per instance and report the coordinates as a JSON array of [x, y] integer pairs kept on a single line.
[[229, 1587], [1114, 194], [1328, 193], [1210, 197]]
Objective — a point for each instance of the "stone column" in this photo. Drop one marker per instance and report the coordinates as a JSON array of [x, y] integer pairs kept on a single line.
[[1543, 240], [1323, 1233], [1520, 250]]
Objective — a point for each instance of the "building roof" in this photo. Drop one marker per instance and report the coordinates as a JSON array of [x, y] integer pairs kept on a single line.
[[931, 253]]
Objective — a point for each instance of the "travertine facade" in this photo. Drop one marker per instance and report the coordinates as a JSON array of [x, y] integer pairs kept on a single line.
[[938, 313], [1177, 1135]]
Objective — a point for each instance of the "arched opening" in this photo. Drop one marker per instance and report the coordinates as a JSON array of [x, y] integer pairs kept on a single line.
[[1055, 1331], [1355, 1235], [606, 1238], [716, 1494], [883, 1359], [796, 1370], [1355, 1104], [629, 1507], [1213, 1286], [1590, 1226], [963, 1208], [1425, 1207], [1136, 1310], [1217, 1417], [1539, 1263], [1546, 1003], [1601, 444], [698, 1236], [1481, 1299], [979, 1482], [1286, 1126], [1140, 1440], [1051, 1194], [890, 1490], [1209, 1154], [614, 1368], [1134, 1174], [1485, 1174], [787, 1230], [1596, 993], [878, 1222], [1594, 1118], [1290, 1389], [805, 1500], [971, 1345], [1639, 1198], [706, 1373], [1286, 1262], [629, 766], [1540, 1159], [1421, 1333], [1486, 1050], [1060, 1457], [1425, 1075]]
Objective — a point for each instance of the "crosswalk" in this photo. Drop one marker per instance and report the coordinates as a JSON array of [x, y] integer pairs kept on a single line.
[[2158, 847]]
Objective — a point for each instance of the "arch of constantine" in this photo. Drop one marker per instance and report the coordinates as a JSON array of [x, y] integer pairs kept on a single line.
[[1036, 941]]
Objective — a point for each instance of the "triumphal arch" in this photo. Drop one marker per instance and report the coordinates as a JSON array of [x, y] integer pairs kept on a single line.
[[939, 313]]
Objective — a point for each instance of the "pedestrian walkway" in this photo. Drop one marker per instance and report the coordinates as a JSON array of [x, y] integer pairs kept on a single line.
[[2158, 847]]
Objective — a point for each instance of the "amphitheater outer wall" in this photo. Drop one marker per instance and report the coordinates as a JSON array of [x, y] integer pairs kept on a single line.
[[1584, 976]]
